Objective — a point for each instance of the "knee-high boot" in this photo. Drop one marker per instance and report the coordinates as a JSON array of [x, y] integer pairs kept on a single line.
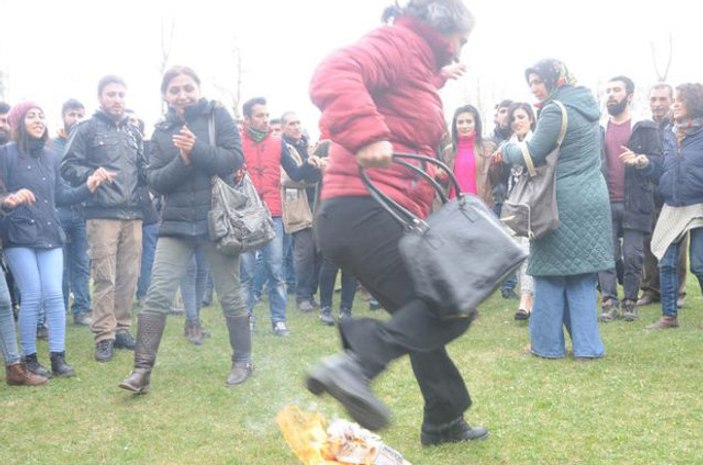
[[149, 331], [240, 340]]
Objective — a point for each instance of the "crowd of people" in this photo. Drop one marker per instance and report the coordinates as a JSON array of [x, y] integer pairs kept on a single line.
[[100, 202]]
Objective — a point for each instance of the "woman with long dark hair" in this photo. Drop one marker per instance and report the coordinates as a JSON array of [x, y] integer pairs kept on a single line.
[[183, 160], [31, 232], [521, 122], [470, 154]]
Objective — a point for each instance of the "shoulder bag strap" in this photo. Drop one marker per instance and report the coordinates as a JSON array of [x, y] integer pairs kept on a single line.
[[527, 157], [400, 213]]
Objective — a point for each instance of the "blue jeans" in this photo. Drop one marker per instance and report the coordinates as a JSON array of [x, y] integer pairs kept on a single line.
[[8, 336], [39, 275], [669, 272], [193, 284], [150, 233], [272, 260], [328, 278], [76, 264], [565, 302]]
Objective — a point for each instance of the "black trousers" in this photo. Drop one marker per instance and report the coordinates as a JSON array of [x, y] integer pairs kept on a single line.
[[362, 238]]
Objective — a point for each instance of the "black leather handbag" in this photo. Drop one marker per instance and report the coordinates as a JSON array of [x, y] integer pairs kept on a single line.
[[460, 254]]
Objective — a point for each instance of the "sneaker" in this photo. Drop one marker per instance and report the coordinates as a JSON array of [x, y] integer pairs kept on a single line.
[[345, 314], [326, 317], [124, 340], [305, 306], [665, 322], [609, 311], [280, 329], [629, 311], [374, 305], [104, 350], [82, 319]]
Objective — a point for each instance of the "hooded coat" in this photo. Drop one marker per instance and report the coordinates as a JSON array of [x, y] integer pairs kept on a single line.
[[582, 243]]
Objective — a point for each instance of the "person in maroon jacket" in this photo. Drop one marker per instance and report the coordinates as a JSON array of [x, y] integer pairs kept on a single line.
[[377, 97]]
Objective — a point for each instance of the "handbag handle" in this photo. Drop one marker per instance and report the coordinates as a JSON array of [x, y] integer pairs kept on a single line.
[[400, 213], [527, 156]]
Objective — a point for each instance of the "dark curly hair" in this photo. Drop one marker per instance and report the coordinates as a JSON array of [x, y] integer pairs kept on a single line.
[[692, 94]]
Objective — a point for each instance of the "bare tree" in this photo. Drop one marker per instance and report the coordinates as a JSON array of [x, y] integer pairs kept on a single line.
[[232, 95], [167, 34], [661, 76]]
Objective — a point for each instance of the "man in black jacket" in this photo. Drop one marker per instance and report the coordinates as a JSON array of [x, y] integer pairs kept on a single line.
[[631, 196], [109, 145]]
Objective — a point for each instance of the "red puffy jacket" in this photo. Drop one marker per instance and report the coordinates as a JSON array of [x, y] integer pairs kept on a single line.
[[383, 88], [263, 162]]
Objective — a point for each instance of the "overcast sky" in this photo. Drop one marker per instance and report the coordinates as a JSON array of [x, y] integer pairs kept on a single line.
[[53, 50]]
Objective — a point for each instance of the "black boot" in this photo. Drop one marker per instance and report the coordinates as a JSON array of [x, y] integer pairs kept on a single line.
[[149, 331], [33, 365], [343, 378], [455, 431], [240, 340], [59, 367]]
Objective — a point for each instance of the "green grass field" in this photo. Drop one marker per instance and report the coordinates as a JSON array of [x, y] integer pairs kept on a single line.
[[642, 404]]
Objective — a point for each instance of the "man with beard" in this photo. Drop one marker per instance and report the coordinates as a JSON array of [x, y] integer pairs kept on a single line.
[[627, 149], [4, 125], [109, 145]]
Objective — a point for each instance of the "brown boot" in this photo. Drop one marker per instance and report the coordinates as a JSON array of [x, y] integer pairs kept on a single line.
[[665, 322], [194, 332], [150, 329], [240, 340], [18, 375]]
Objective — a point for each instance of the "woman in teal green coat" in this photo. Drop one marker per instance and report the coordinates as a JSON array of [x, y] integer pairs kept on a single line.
[[566, 261]]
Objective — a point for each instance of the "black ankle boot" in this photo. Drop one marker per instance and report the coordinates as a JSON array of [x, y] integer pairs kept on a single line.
[[150, 328], [33, 365], [455, 431], [59, 367]]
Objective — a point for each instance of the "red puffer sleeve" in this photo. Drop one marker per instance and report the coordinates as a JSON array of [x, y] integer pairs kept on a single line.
[[344, 84]]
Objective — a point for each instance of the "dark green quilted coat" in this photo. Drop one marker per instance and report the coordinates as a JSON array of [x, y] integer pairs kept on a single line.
[[582, 243]]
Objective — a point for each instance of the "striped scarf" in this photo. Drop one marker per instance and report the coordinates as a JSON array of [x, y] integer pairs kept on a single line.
[[687, 128]]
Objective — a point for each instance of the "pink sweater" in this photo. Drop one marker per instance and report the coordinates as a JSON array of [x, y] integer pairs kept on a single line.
[[465, 164]]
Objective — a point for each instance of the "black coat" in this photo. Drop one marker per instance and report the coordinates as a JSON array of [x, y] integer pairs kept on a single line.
[[37, 225], [187, 189], [117, 147], [639, 183]]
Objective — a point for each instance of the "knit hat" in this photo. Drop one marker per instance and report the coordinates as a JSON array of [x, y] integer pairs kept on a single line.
[[18, 112]]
